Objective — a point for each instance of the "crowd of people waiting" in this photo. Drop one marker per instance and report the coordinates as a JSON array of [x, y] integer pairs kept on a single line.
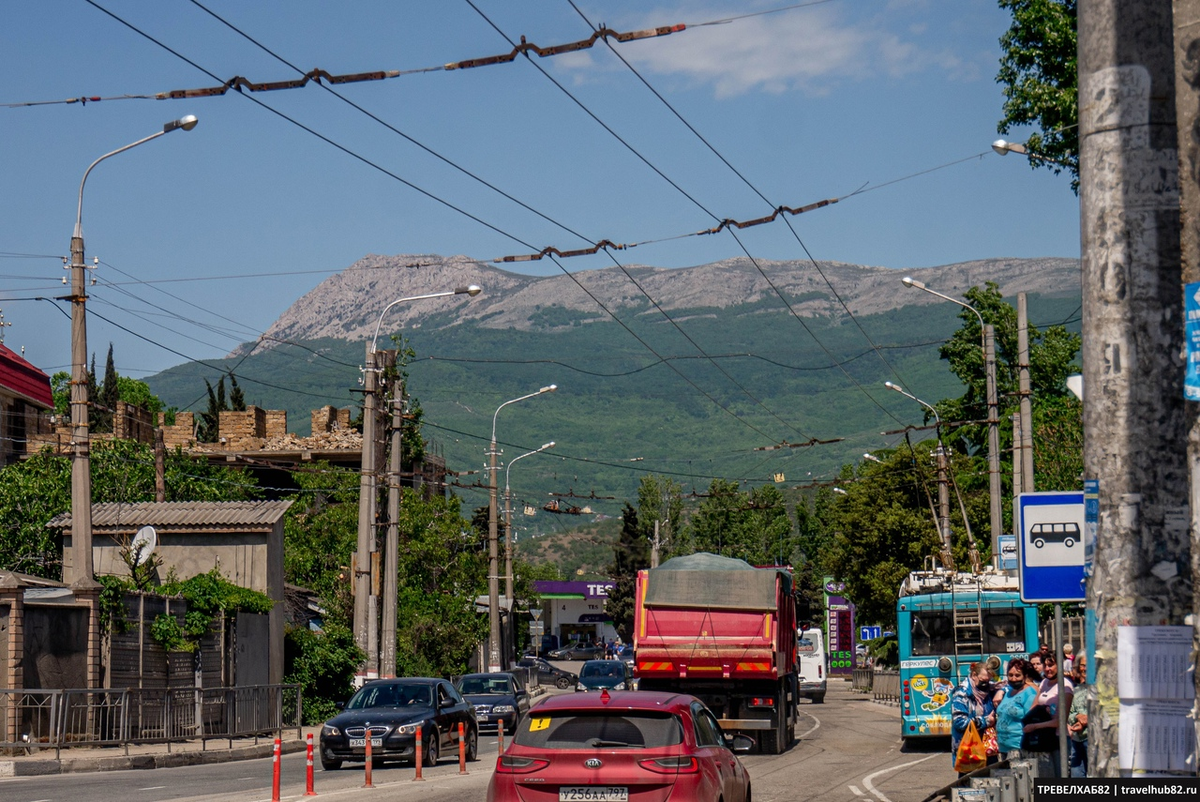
[[1018, 716]]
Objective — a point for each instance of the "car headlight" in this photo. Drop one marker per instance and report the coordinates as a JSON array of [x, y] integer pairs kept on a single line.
[[328, 730], [502, 709], [410, 729], [620, 686], [581, 687]]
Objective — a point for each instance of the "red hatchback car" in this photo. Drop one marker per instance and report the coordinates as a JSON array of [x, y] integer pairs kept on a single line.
[[623, 746]]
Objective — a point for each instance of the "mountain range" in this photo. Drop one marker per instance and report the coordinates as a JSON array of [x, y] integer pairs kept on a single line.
[[688, 372]]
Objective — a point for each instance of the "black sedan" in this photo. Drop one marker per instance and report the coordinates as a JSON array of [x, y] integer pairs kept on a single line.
[[393, 710], [499, 700], [548, 674], [578, 651]]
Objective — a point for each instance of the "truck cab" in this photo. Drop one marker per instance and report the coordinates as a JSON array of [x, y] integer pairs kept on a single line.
[[811, 665]]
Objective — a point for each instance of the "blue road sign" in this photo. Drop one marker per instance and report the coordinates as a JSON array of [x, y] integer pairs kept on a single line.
[[1008, 552], [869, 633], [1051, 547]]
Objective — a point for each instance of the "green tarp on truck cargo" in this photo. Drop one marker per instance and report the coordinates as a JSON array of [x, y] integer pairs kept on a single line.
[[709, 580]]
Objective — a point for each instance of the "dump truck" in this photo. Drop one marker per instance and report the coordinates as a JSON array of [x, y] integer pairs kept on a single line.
[[723, 631]]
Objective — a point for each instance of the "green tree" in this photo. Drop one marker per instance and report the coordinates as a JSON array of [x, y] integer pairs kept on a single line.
[[210, 420], [109, 391], [1039, 73], [631, 553], [659, 500]]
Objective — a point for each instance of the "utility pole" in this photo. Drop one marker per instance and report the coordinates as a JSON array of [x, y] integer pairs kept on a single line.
[[366, 515], [82, 566], [654, 547], [1018, 473], [944, 506], [391, 557], [160, 466], [493, 565], [994, 484], [1135, 421], [1187, 99], [1023, 387], [508, 546]]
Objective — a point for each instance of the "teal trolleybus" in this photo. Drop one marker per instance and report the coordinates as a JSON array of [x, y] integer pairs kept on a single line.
[[945, 621]]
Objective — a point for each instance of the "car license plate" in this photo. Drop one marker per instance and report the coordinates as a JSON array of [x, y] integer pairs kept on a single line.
[[593, 793], [363, 742]]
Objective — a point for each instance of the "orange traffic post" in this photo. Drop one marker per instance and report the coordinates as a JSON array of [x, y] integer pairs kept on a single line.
[[308, 782], [275, 770], [500, 735], [367, 749], [419, 758], [462, 750]]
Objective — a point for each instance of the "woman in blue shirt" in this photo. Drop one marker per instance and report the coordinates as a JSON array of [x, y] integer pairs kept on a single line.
[[1018, 699]]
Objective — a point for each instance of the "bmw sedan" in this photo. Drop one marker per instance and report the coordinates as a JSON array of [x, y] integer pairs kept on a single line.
[[548, 674], [578, 651], [390, 712], [499, 699], [621, 747], [613, 675]]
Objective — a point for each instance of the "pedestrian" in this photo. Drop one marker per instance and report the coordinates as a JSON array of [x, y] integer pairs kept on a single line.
[[1035, 664], [1077, 720], [971, 702], [1015, 704], [1048, 697], [1068, 665]]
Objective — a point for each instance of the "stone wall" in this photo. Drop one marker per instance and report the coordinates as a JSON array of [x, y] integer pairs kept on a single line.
[[183, 433], [330, 419], [243, 431], [133, 423]]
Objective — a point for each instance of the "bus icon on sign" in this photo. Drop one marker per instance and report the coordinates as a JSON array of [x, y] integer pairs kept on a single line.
[[1065, 533]]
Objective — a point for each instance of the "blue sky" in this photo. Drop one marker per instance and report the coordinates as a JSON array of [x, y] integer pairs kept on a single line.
[[807, 104]]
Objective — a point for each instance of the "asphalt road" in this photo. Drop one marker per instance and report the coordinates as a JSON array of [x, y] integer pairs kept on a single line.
[[849, 750]]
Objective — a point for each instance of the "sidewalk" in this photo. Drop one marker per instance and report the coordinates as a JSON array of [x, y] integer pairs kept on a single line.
[[151, 756]]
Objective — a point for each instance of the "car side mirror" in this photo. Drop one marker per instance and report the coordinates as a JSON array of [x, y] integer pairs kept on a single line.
[[339, 705], [739, 744]]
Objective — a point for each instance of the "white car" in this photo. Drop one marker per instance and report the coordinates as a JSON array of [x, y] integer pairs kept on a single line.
[[810, 663]]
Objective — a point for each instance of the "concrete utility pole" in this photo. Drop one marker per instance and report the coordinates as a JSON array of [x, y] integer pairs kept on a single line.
[[1187, 100], [1135, 422], [366, 514], [995, 488], [1023, 386], [391, 556], [944, 506]]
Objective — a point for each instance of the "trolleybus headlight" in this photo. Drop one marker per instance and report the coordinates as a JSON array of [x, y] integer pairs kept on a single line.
[[944, 664]]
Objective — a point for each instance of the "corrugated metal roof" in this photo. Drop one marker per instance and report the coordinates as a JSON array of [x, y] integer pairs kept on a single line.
[[179, 514], [23, 379]]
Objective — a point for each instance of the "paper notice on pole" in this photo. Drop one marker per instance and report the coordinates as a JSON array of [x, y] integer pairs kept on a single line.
[[1157, 736], [1154, 663]]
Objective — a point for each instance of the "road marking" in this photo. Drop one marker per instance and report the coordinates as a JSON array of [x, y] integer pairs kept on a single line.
[[153, 788], [811, 729], [855, 790], [878, 794]]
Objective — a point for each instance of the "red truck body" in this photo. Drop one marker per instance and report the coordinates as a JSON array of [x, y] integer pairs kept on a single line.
[[725, 632]]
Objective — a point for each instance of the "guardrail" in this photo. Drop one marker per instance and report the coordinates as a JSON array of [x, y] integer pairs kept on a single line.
[[862, 680], [885, 687], [120, 716]]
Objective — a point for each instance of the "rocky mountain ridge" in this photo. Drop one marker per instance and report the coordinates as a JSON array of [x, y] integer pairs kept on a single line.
[[347, 306]]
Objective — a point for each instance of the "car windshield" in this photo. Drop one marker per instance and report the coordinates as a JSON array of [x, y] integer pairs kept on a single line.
[[608, 668], [567, 729], [391, 694], [484, 685]]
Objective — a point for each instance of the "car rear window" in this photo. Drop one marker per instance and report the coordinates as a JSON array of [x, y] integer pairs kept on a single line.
[[585, 729], [603, 668]]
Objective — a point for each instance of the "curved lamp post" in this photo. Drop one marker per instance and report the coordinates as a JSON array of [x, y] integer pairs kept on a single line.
[[493, 540], [366, 633], [81, 470], [988, 333], [508, 539]]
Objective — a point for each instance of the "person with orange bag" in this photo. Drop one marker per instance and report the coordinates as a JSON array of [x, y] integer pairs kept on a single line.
[[971, 704]]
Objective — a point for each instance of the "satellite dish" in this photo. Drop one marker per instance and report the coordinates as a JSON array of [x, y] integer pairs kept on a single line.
[[143, 544]]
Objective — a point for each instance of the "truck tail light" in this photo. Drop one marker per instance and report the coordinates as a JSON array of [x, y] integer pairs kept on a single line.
[[762, 701]]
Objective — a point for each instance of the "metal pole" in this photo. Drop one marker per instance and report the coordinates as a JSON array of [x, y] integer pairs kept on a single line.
[[366, 514], [493, 566], [944, 508], [1063, 770], [654, 547], [391, 557], [994, 484], [82, 566], [1135, 418], [508, 545], [1025, 393]]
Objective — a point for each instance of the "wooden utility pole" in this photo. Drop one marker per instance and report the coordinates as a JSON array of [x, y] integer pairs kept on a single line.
[[1135, 426]]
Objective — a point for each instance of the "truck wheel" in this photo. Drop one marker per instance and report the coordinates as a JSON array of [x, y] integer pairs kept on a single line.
[[819, 699], [768, 743]]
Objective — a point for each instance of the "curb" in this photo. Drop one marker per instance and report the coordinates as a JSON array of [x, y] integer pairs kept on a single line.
[[78, 765]]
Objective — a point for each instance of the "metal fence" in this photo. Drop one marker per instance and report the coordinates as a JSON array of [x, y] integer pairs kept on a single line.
[[118, 717], [885, 687], [862, 679]]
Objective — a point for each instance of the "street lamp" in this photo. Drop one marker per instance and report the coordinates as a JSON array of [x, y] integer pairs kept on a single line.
[[872, 458], [493, 540], [82, 566], [508, 543], [366, 632], [988, 333], [1004, 148], [930, 407]]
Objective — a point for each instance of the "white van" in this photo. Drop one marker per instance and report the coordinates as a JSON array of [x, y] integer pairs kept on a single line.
[[810, 663]]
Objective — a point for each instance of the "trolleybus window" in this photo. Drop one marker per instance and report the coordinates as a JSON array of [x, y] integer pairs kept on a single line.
[[932, 633], [1004, 631]]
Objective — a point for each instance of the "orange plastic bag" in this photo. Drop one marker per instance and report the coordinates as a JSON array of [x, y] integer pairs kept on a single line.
[[972, 753]]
